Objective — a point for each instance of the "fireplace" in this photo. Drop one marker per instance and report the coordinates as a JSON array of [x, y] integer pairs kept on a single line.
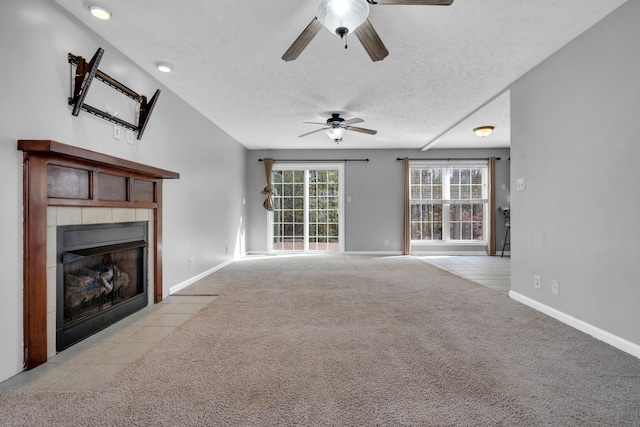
[[101, 277], [65, 185]]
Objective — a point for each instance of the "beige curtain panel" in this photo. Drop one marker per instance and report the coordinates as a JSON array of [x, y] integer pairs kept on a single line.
[[268, 190], [491, 221], [406, 217]]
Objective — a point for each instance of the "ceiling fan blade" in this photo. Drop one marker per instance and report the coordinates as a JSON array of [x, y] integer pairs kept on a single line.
[[416, 2], [316, 123], [313, 131], [352, 121], [363, 130], [303, 40], [371, 41]]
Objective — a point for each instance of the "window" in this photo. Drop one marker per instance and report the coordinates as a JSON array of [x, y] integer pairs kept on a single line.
[[448, 202], [308, 205]]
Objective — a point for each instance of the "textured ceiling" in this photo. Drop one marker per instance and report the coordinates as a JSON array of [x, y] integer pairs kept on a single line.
[[446, 73]]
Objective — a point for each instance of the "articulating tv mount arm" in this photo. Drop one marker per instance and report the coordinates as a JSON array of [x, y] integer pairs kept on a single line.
[[85, 73]]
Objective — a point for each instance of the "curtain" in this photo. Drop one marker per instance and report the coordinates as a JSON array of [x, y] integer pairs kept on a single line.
[[268, 190], [491, 221], [406, 216]]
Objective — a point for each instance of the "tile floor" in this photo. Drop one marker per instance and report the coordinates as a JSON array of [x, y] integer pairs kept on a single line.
[[118, 345], [110, 349], [491, 271]]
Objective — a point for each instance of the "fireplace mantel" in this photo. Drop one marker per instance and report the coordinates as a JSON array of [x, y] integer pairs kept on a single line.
[[57, 174]]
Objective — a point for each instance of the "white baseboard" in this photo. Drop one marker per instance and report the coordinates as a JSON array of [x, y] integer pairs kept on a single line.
[[254, 253], [181, 286], [382, 253], [448, 253], [609, 338]]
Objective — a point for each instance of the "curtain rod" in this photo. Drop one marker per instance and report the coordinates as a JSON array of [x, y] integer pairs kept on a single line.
[[448, 160], [316, 160]]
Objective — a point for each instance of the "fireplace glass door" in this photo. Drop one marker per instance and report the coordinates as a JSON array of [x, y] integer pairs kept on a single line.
[[98, 283]]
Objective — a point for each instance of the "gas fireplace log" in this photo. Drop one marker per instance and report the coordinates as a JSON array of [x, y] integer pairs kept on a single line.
[[86, 284]]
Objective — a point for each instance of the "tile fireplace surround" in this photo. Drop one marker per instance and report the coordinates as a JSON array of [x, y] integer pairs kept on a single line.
[[66, 185], [67, 215]]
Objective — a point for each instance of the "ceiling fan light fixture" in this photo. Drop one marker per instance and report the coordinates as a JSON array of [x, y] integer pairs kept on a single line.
[[342, 16], [99, 11], [335, 133], [483, 131]]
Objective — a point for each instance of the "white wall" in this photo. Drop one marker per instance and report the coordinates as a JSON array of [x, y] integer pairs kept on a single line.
[[203, 210], [375, 211], [575, 124]]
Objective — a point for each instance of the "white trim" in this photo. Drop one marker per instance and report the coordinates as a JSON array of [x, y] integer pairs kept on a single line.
[[451, 243], [449, 253], [446, 202], [181, 286], [394, 253], [307, 166], [602, 335], [290, 253], [439, 163]]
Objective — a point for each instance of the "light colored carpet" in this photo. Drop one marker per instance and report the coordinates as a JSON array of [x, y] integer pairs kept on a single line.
[[354, 341]]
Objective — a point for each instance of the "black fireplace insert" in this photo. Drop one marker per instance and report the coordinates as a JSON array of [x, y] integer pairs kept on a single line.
[[101, 277]]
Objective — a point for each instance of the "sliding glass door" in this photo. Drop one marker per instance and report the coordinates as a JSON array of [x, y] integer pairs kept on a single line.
[[308, 208]]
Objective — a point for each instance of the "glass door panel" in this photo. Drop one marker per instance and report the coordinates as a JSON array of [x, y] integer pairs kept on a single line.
[[307, 209]]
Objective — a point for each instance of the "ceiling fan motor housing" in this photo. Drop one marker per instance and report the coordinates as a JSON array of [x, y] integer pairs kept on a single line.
[[335, 120]]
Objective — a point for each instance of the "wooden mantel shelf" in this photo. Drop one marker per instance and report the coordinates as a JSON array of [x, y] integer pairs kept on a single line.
[[56, 174], [54, 148]]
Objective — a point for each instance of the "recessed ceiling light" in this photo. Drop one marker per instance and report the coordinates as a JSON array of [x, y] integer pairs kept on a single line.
[[99, 12], [165, 67]]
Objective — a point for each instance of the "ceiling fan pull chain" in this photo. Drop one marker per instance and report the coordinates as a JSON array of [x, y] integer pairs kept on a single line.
[[345, 40]]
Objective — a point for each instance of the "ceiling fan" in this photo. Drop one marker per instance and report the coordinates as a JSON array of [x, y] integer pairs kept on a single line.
[[346, 16], [336, 126]]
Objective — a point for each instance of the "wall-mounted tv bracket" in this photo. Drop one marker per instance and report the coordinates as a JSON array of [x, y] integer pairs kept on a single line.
[[85, 72]]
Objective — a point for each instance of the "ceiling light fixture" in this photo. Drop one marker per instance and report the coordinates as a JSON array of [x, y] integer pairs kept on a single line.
[[483, 131], [99, 11], [165, 67], [335, 133], [342, 16]]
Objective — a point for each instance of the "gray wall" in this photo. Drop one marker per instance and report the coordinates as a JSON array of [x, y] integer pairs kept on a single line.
[[375, 211], [204, 209], [575, 122]]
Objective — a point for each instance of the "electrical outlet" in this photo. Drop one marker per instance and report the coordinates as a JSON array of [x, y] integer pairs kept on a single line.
[[129, 137], [190, 262], [116, 132], [520, 184], [536, 281], [555, 287], [386, 243]]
